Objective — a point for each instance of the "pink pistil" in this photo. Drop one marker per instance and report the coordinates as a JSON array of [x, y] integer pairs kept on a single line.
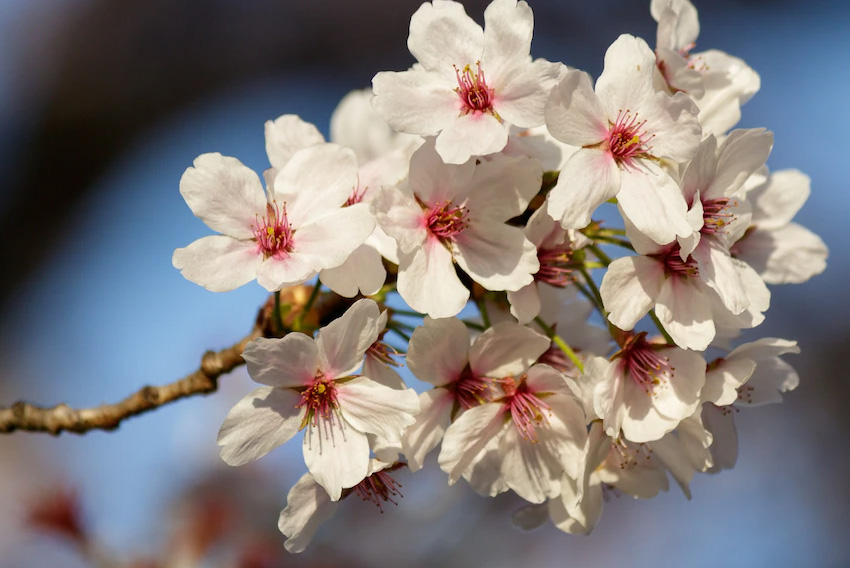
[[716, 215], [555, 266], [643, 362], [473, 91], [445, 220], [527, 410], [471, 390], [628, 139], [273, 232], [378, 488], [674, 265], [319, 399]]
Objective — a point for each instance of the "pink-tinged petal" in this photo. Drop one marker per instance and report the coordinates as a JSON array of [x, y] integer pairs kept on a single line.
[[521, 93], [629, 289], [699, 173], [363, 272], [382, 373], [286, 135], [532, 470], [506, 349], [401, 218], [673, 122], [653, 202], [525, 303], [468, 436], [307, 507], [741, 154], [375, 409], [573, 113], [471, 134], [415, 101], [316, 180], [275, 274], [442, 35], [434, 181], [218, 263], [290, 361], [729, 83], [508, 27], [342, 343], [678, 23], [720, 272], [684, 309], [497, 256], [259, 423], [224, 194], [588, 179], [724, 447], [776, 202], [427, 281], [329, 240], [626, 81], [435, 411], [336, 454], [765, 348], [502, 187], [723, 380], [438, 351]]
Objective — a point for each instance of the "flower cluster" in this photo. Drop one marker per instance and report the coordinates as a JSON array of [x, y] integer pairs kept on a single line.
[[601, 358]]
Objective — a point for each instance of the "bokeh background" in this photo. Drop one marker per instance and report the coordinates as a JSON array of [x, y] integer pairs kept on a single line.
[[103, 104]]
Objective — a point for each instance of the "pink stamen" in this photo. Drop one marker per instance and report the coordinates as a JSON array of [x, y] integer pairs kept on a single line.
[[527, 410], [470, 390], [356, 195], [641, 361], [378, 488], [555, 267], [319, 399], [445, 220], [628, 139], [716, 215], [674, 265], [473, 91], [384, 353], [273, 233]]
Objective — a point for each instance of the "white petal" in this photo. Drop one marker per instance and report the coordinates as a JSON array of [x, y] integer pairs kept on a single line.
[[432, 180], [719, 271], [427, 281], [673, 122], [776, 202], [438, 351], [724, 447], [356, 125], [506, 349], [740, 155], [588, 179], [626, 81], [363, 272], [430, 426], [330, 239], [722, 381], [343, 342], [630, 288], [521, 93], [685, 312], [224, 194], [415, 101], [336, 454], [289, 361], [218, 263], [574, 114], [277, 273], [497, 256], [525, 303], [307, 507], [471, 134], [501, 187], [400, 217], [653, 202], [442, 35], [288, 134], [729, 83], [508, 27], [467, 437], [375, 409], [259, 423], [382, 373]]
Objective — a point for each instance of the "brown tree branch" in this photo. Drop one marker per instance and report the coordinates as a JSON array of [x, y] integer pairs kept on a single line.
[[25, 416]]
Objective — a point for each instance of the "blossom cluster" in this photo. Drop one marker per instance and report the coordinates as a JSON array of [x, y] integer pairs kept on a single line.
[[598, 357]]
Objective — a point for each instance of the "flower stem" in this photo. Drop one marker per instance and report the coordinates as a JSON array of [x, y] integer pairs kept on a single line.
[[614, 241], [600, 305], [473, 325], [394, 328], [598, 253], [306, 309], [562, 345], [482, 309], [410, 313], [661, 328]]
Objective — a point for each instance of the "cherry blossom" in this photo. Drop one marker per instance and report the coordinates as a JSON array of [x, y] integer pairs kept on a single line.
[[467, 80]]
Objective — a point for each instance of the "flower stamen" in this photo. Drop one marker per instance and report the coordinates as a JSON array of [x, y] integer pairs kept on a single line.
[[273, 233], [473, 91]]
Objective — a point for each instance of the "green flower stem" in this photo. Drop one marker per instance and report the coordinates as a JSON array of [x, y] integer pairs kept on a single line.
[[597, 252], [410, 313], [661, 328], [562, 345], [482, 308], [614, 241], [594, 289]]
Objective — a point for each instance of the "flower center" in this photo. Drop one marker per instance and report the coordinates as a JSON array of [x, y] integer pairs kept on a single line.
[[473, 91], [273, 232], [674, 265], [628, 138], [642, 362], [716, 215], [384, 353], [527, 410], [319, 399], [445, 220], [356, 195], [555, 266], [470, 390], [378, 488]]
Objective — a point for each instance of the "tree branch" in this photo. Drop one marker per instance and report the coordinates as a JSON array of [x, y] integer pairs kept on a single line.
[[25, 416]]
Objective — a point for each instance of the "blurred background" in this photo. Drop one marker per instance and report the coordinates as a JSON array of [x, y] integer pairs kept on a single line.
[[104, 104]]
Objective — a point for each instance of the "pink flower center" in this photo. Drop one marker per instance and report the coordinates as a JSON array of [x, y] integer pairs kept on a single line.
[[716, 215], [473, 91], [378, 488], [273, 232], [470, 390], [528, 411], [643, 362], [319, 399], [445, 220], [555, 267], [674, 265], [628, 139]]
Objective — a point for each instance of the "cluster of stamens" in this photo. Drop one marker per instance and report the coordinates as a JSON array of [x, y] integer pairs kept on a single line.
[[378, 488], [319, 399], [555, 266], [528, 411], [674, 265], [384, 353], [643, 363], [445, 220], [629, 455], [356, 195], [716, 215], [273, 232], [473, 91], [627, 138], [471, 390]]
